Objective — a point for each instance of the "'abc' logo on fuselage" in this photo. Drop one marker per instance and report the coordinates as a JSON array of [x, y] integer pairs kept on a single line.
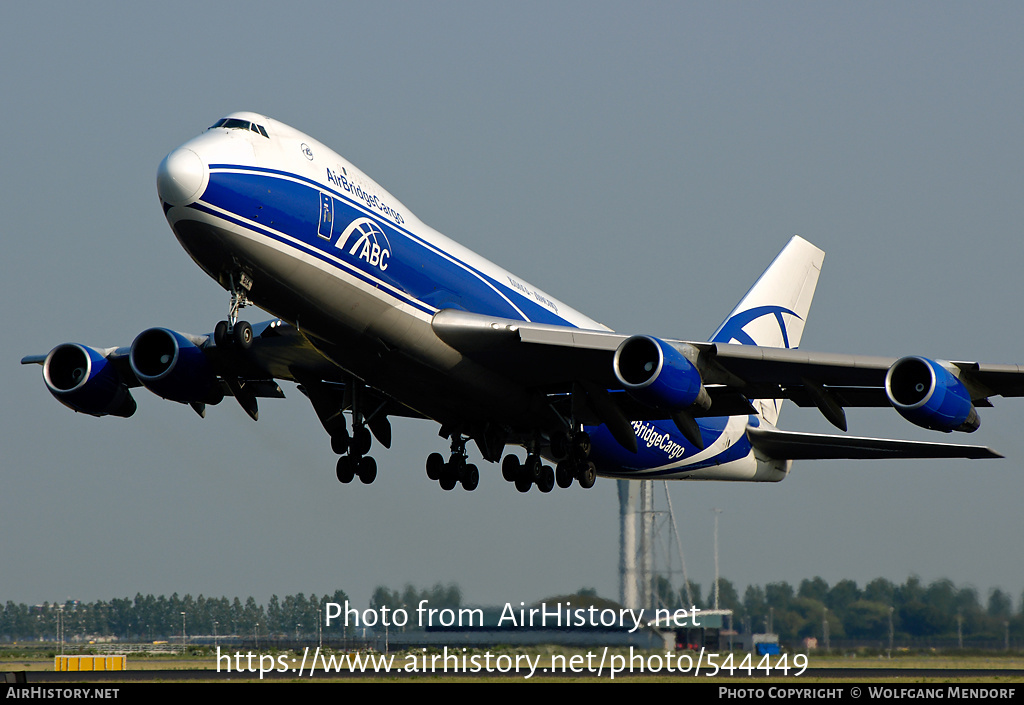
[[371, 244]]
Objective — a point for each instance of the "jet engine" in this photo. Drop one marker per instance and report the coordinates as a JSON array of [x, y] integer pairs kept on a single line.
[[172, 366], [656, 374], [82, 379], [927, 394]]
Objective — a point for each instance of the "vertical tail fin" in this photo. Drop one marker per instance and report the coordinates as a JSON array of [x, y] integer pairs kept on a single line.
[[773, 312]]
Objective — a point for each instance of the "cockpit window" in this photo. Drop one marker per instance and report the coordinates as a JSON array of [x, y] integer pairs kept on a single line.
[[236, 124]]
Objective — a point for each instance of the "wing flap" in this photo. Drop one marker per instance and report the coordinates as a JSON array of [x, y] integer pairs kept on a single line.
[[986, 379], [791, 445], [758, 366]]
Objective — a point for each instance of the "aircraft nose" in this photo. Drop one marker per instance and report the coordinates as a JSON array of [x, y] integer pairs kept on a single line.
[[181, 177]]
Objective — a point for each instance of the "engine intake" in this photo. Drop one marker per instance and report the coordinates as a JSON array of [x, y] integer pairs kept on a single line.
[[927, 394], [172, 366], [82, 379], [655, 373]]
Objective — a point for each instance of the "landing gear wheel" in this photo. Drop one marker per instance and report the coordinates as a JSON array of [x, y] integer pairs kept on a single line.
[[346, 469], [524, 482], [581, 445], [243, 335], [546, 481], [367, 470], [449, 478], [532, 467], [340, 442], [470, 478], [221, 338], [588, 475], [361, 440], [510, 468], [564, 474], [560, 445], [435, 466]]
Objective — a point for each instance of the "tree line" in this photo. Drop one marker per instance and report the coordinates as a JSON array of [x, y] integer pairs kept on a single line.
[[813, 608], [912, 610], [149, 618]]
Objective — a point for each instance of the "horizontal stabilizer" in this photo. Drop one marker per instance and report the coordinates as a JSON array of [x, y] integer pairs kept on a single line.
[[791, 445]]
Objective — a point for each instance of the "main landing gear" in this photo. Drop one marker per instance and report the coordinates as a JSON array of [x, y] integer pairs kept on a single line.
[[354, 461], [456, 470], [574, 450], [355, 464]]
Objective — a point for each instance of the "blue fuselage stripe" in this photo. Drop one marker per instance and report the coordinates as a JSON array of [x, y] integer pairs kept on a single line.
[[299, 212], [344, 233], [313, 252]]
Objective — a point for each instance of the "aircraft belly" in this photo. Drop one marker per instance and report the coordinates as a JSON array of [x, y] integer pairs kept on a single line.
[[366, 331]]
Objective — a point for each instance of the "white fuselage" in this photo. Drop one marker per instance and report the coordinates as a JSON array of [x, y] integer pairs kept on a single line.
[[331, 252]]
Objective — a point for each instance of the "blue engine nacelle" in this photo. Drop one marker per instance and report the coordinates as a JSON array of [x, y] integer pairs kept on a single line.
[[927, 394], [173, 367], [656, 374], [83, 379]]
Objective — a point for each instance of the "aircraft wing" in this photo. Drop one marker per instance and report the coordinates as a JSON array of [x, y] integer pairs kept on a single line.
[[550, 356], [857, 380], [192, 369]]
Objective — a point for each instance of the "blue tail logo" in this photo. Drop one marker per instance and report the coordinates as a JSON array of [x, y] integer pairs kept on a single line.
[[733, 328]]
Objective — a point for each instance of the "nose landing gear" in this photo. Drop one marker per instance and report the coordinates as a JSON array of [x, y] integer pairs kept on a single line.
[[232, 331]]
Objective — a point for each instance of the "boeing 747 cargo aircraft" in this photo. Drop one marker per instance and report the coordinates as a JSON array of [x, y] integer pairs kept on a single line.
[[381, 316]]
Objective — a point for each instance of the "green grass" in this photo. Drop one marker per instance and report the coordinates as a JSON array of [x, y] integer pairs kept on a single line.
[[40, 657]]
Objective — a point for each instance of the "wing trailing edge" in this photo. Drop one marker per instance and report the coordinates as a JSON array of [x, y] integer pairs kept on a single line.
[[792, 445]]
